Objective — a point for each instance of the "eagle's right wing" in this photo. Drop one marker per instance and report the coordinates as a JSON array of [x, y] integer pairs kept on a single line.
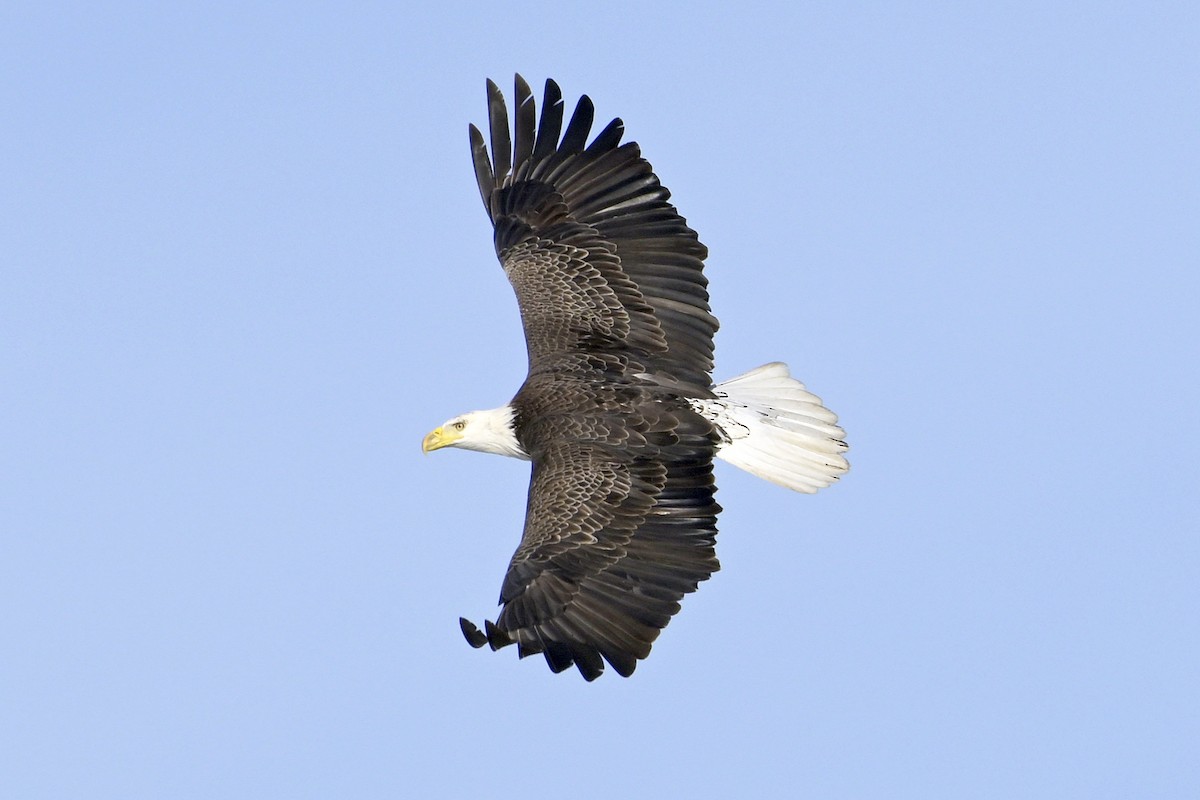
[[598, 257]]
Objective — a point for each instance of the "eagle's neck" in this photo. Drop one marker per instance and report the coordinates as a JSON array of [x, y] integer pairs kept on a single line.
[[493, 431]]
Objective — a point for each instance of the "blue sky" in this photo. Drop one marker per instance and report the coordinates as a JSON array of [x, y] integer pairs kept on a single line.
[[244, 269]]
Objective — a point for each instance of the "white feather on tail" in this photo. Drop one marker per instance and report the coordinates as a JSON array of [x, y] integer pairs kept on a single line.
[[776, 429]]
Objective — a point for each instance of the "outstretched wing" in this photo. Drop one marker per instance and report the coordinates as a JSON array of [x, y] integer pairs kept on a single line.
[[611, 544], [598, 257]]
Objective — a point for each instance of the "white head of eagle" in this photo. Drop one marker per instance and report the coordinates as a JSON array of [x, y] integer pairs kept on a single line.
[[489, 431]]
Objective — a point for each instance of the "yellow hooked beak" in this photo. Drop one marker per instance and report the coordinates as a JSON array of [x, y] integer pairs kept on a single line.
[[439, 438]]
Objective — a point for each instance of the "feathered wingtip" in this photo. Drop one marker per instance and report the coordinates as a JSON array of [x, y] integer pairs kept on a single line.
[[559, 655], [494, 637], [492, 171], [542, 142]]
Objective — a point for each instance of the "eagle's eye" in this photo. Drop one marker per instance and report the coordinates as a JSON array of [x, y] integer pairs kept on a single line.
[[459, 425]]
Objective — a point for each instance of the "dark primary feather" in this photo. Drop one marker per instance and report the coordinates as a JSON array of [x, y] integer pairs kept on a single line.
[[621, 519]]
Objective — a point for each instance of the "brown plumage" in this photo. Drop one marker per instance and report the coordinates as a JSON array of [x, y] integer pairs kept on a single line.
[[621, 521]]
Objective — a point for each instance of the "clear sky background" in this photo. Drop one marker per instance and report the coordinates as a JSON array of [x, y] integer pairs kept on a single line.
[[244, 269]]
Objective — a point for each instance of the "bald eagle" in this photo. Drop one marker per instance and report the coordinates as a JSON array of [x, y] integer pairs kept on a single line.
[[618, 415]]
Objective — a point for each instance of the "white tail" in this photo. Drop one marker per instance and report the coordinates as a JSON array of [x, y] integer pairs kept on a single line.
[[776, 429]]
